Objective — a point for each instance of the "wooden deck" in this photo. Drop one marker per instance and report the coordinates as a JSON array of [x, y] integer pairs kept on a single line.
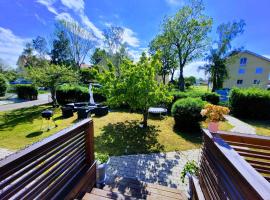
[[126, 188]]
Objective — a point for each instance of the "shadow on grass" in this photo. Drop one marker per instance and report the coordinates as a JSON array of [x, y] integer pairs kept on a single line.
[[128, 138], [193, 135], [34, 134], [20, 116]]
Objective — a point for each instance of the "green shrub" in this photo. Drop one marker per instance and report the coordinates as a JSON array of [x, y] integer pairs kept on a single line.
[[76, 93], [191, 167], [3, 85], [186, 113], [251, 103], [26, 91], [102, 157], [211, 97]]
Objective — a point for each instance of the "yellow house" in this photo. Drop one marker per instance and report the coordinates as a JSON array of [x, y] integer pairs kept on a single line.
[[248, 69]]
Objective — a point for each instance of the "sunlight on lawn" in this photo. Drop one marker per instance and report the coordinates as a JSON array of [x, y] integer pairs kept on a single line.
[[20, 128], [118, 130], [262, 127]]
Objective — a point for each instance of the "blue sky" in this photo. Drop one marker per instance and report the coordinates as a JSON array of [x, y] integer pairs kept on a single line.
[[23, 20]]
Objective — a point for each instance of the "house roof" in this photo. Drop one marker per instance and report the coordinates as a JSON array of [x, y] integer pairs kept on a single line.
[[255, 54]]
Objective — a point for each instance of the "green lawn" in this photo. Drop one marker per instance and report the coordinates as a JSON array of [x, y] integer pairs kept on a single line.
[[115, 134], [262, 127], [21, 127]]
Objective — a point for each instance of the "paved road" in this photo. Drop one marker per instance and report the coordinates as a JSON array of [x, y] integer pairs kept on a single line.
[[160, 168], [4, 153], [240, 126], [42, 99]]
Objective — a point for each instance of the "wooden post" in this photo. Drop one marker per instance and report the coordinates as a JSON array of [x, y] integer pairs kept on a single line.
[[89, 144]]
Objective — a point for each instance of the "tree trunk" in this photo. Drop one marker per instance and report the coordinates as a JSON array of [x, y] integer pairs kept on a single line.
[[181, 79], [172, 74], [164, 78], [145, 118], [53, 94]]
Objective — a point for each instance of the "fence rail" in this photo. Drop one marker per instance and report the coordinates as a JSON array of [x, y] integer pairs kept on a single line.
[[224, 173], [60, 166]]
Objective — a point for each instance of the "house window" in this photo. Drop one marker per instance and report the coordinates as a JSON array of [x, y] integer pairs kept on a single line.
[[241, 71], [243, 61], [256, 82], [259, 70], [239, 82]]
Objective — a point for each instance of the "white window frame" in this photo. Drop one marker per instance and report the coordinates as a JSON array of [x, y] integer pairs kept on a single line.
[[242, 63], [240, 80], [257, 68], [241, 70]]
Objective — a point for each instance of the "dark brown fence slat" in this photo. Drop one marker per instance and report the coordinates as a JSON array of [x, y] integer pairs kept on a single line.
[[254, 155], [224, 174], [61, 149], [245, 138], [50, 166]]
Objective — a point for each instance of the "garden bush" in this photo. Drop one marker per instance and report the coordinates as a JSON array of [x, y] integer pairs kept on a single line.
[[76, 93], [211, 97], [3, 85], [26, 91], [251, 103], [186, 113]]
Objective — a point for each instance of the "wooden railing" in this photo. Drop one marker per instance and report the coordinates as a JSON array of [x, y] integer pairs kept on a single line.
[[61, 166], [224, 174]]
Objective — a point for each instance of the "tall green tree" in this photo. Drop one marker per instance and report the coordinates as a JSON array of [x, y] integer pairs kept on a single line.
[[51, 76], [217, 60], [137, 85], [61, 53], [168, 56], [187, 32], [40, 45]]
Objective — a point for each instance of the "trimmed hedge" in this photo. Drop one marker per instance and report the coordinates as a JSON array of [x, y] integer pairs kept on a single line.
[[76, 93], [3, 85], [211, 97], [251, 103], [28, 92], [186, 113]]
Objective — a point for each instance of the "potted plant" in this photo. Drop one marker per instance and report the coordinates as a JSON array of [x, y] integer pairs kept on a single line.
[[213, 115], [102, 161]]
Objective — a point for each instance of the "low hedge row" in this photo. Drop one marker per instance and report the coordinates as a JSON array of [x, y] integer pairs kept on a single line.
[[25, 91], [251, 103], [187, 113], [210, 97], [76, 93], [3, 85]]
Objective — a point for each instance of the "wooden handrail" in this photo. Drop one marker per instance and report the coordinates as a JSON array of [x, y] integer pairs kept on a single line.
[[62, 165], [224, 174]]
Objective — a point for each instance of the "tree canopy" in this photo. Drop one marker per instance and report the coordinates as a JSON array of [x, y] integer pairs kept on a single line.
[[136, 86]]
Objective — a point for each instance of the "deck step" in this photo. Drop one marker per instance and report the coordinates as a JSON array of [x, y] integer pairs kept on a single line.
[[131, 189]]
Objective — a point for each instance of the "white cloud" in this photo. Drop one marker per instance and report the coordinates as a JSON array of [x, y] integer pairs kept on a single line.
[[76, 5], [175, 2], [64, 16], [136, 53], [11, 46], [85, 20], [191, 69], [48, 4], [130, 38], [267, 56], [40, 19]]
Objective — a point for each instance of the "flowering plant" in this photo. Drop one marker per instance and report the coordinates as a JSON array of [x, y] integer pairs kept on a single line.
[[214, 113]]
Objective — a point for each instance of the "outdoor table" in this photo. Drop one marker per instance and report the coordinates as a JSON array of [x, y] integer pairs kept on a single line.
[[157, 110]]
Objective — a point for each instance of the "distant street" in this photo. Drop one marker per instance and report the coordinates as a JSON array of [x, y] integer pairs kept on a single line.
[[42, 99]]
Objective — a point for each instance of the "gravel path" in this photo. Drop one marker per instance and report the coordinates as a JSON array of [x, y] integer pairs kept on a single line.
[[240, 126], [4, 153], [161, 168], [42, 99]]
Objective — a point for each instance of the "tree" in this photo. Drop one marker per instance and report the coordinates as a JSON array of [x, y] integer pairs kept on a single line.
[[51, 76], [88, 75], [168, 57], [40, 45], [99, 57], [113, 38], [81, 41], [61, 53], [191, 80], [187, 32], [218, 57], [137, 85]]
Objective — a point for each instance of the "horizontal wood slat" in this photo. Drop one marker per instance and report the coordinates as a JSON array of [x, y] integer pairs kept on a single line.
[[50, 169], [225, 174]]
